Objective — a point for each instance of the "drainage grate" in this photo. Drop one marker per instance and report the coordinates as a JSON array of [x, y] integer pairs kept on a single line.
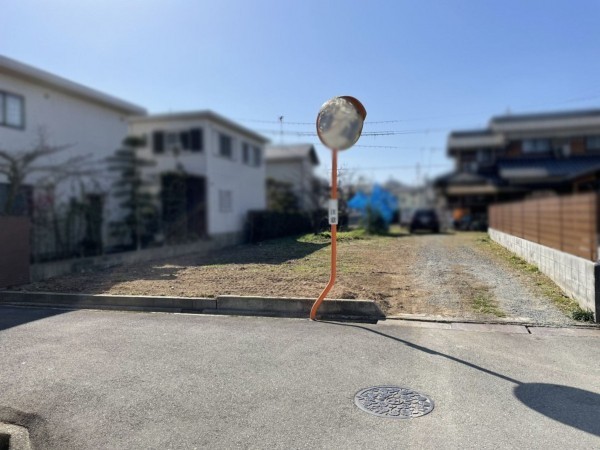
[[393, 401]]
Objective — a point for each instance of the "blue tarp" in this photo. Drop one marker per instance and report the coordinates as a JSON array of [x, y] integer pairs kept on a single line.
[[380, 200], [360, 201]]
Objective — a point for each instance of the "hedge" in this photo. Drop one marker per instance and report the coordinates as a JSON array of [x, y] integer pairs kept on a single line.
[[263, 225]]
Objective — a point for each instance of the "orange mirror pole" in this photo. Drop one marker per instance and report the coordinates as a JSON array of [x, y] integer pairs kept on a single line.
[[333, 221], [339, 125]]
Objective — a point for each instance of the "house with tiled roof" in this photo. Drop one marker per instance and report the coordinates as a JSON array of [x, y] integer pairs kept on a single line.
[[519, 156]]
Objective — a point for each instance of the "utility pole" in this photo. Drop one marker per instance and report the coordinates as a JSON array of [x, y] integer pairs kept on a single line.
[[281, 129]]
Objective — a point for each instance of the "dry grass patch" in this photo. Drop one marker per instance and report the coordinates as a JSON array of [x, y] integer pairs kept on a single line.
[[288, 267], [536, 279], [476, 294]]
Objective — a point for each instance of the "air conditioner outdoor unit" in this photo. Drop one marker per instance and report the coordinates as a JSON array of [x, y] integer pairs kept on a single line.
[[172, 143]]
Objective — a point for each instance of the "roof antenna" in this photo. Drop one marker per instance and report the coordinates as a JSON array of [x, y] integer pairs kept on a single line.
[[281, 130], [508, 111]]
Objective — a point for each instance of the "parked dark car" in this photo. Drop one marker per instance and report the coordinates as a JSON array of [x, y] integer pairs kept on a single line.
[[425, 219], [472, 223]]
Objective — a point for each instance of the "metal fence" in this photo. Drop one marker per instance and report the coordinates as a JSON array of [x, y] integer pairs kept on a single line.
[[82, 232], [567, 223]]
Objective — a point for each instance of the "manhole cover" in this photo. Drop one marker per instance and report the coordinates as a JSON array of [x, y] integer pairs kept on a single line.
[[393, 401]]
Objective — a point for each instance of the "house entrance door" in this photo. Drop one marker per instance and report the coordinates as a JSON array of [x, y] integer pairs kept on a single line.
[[183, 206]]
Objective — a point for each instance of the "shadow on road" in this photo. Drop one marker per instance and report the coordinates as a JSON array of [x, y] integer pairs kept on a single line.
[[14, 316], [571, 406]]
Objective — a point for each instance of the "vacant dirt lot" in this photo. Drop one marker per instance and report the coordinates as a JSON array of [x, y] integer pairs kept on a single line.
[[457, 275]]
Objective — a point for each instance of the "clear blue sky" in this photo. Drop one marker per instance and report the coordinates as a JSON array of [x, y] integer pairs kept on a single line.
[[432, 66]]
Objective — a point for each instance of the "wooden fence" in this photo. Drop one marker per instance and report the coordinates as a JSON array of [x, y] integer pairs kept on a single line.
[[568, 223], [14, 251]]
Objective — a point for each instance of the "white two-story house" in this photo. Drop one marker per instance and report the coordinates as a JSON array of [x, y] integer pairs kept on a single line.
[[91, 124], [209, 172]]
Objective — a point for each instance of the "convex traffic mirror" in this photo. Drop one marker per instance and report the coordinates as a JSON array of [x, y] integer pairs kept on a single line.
[[340, 122]]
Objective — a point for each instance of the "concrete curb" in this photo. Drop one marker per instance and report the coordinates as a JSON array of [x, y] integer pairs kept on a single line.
[[102, 301], [14, 437], [361, 310], [494, 327], [523, 321]]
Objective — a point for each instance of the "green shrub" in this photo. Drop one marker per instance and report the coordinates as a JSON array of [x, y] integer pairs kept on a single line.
[[373, 222], [263, 225], [583, 315], [342, 236]]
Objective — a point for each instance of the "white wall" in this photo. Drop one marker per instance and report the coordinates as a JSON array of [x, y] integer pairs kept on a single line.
[[194, 163], [299, 173], [89, 128], [246, 183]]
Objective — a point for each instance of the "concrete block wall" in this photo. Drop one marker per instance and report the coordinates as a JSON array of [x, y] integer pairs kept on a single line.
[[576, 276]]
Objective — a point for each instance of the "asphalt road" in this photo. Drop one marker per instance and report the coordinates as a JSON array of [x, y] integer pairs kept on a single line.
[[114, 380]]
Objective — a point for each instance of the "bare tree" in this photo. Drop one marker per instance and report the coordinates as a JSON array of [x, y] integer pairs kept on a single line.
[[318, 195], [19, 166], [348, 185], [54, 234]]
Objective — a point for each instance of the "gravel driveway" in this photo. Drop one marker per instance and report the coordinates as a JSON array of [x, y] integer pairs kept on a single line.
[[454, 270]]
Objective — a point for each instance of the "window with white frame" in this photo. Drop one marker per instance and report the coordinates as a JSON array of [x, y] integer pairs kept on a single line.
[[256, 156], [12, 110], [225, 201], [536, 146], [225, 146], [485, 156], [172, 141], [196, 138], [158, 142], [592, 143], [184, 140], [246, 153], [251, 155]]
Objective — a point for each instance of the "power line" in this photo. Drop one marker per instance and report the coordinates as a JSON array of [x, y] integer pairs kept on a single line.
[[403, 167], [585, 98], [364, 134], [368, 122], [398, 147], [285, 122]]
